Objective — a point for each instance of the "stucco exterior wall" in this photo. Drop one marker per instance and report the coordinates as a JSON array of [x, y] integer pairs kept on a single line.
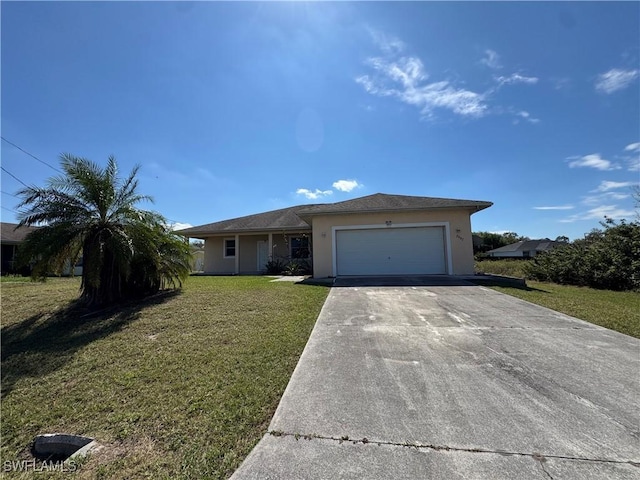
[[247, 250], [458, 221], [213, 256]]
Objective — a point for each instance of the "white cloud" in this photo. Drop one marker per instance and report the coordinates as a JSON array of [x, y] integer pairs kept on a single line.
[[560, 83], [604, 197], [527, 116], [633, 147], [598, 213], [387, 43], [404, 78], [606, 185], [346, 185], [634, 164], [312, 195], [611, 211], [516, 78], [179, 226], [615, 79], [491, 59], [593, 160], [203, 173], [632, 160], [556, 207]]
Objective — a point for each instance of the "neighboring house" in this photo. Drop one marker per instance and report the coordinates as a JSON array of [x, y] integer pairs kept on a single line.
[[374, 235], [197, 258], [10, 240], [524, 249]]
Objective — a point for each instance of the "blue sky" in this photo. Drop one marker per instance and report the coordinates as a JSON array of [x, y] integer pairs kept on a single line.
[[238, 108]]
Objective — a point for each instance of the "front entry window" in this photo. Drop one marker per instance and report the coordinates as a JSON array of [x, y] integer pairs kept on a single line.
[[299, 247]]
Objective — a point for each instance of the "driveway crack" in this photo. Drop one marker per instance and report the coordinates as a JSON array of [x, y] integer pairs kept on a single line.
[[541, 458]]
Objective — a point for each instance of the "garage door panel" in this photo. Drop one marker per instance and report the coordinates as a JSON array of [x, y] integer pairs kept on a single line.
[[390, 251]]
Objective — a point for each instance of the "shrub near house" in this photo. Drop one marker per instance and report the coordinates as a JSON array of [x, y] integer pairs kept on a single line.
[[606, 259]]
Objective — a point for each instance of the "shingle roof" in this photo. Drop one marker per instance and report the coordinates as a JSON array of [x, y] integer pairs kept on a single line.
[[277, 220], [10, 236], [541, 245], [293, 218], [383, 202]]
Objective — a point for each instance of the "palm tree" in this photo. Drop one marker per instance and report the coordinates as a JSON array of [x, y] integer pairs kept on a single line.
[[91, 211]]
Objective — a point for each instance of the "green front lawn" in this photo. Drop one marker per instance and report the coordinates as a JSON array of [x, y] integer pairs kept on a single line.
[[510, 267], [178, 386], [618, 311]]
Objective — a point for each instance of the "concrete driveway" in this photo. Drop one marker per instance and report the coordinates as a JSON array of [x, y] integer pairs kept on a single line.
[[454, 381]]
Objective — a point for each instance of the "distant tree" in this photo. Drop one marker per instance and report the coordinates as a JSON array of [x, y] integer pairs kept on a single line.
[[562, 239], [513, 237], [91, 211], [491, 240]]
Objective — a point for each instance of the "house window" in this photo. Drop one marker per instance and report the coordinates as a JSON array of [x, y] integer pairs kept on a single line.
[[299, 247], [229, 248]]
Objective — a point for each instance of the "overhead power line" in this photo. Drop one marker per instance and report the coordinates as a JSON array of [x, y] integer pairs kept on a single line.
[[11, 194], [31, 155], [11, 174]]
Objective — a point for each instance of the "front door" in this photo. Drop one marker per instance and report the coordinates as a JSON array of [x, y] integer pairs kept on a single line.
[[263, 255]]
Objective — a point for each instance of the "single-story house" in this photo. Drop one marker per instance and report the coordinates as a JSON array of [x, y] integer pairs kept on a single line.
[[524, 248], [378, 234], [10, 239]]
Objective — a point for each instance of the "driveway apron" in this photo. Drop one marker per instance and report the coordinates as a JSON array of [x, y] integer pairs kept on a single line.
[[454, 381]]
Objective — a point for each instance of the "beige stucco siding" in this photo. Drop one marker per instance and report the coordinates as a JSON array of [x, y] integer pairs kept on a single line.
[[247, 251], [213, 256], [460, 243]]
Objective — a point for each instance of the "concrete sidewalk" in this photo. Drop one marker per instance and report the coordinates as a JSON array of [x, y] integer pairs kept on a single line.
[[452, 382]]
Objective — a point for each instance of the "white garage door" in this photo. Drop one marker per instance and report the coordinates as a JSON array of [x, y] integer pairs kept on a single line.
[[391, 251]]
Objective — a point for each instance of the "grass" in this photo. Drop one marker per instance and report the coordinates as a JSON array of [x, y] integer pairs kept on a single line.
[[618, 311], [14, 279], [178, 386], [507, 267]]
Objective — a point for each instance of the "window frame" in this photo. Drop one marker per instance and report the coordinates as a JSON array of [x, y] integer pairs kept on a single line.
[[307, 247], [224, 247]]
